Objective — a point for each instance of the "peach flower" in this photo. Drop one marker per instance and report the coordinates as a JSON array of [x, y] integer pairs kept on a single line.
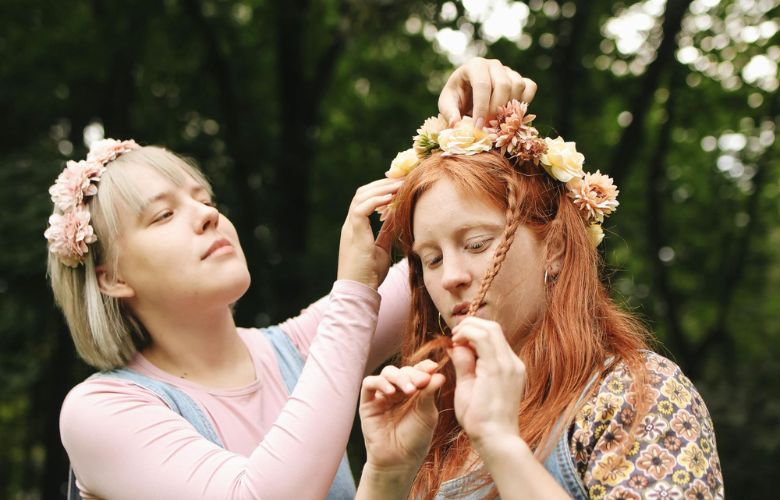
[[594, 194]]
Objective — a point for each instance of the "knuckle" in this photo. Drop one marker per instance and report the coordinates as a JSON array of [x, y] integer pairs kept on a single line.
[[389, 370]]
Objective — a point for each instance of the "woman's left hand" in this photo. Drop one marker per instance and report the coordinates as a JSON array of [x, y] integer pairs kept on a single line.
[[490, 380], [361, 257]]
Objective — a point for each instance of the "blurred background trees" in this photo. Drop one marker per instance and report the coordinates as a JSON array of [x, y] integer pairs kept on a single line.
[[289, 106]]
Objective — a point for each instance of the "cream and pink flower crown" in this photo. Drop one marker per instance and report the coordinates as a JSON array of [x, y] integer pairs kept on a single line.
[[511, 133], [69, 230]]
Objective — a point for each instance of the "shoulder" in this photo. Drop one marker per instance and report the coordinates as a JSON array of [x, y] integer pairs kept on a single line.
[[92, 406], [643, 437]]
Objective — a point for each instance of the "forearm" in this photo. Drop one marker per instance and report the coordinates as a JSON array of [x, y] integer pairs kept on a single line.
[[516, 472], [387, 484]]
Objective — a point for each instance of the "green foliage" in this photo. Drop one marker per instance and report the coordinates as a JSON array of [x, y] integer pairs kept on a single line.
[[290, 106]]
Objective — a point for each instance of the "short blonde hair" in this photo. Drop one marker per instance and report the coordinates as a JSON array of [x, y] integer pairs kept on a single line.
[[104, 330]]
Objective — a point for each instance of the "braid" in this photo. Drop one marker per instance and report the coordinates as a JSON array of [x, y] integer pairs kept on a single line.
[[513, 221]]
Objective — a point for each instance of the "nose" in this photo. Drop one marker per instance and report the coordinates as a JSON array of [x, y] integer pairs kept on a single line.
[[208, 218], [455, 274]]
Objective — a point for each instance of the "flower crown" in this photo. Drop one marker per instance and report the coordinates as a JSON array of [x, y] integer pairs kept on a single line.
[[69, 230], [511, 132]]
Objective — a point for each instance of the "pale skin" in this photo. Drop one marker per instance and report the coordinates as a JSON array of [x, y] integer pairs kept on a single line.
[[184, 300], [455, 247]]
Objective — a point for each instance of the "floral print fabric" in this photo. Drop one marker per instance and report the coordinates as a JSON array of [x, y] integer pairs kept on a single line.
[[673, 455]]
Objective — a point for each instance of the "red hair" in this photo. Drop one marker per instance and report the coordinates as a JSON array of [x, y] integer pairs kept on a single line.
[[580, 329]]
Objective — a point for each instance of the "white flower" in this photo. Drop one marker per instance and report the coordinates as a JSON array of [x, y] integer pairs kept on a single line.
[[464, 139], [595, 234], [562, 160], [404, 162]]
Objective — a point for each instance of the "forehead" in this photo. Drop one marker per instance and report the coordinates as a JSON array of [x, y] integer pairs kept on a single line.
[[444, 208], [134, 184]]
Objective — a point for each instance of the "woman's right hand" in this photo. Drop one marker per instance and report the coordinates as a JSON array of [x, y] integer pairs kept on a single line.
[[361, 257], [399, 441]]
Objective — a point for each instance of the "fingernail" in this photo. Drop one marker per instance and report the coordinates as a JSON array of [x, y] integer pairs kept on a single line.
[[410, 387], [480, 122]]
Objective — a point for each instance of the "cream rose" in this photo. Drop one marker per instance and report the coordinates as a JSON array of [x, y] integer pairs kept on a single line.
[[404, 162], [427, 137], [562, 160], [595, 234], [464, 139]]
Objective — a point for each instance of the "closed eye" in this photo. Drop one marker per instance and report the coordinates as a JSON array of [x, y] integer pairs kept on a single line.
[[479, 245], [165, 214]]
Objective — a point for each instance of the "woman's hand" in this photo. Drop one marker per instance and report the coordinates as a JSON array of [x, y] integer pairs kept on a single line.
[[479, 87], [361, 258], [490, 380], [399, 441]]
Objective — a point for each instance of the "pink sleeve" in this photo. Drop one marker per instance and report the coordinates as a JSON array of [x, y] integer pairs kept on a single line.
[[125, 443], [396, 303]]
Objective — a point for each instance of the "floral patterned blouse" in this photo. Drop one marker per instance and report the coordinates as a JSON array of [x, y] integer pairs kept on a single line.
[[674, 455]]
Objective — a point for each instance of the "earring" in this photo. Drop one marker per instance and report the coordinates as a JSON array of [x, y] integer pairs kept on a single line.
[[545, 277], [441, 328]]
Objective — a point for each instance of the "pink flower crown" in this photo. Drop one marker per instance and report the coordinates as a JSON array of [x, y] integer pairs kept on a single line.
[[595, 195], [69, 230]]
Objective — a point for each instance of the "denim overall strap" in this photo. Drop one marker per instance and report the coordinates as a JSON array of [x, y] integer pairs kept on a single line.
[[176, 400], [560, 463], [291, 364]]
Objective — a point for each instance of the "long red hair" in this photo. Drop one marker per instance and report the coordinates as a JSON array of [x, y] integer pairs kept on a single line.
[[580, 329]]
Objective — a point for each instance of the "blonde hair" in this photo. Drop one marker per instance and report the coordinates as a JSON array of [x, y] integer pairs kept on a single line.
[[104, 330]]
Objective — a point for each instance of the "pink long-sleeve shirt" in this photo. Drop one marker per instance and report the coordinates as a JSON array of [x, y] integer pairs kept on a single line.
[[124, 442]]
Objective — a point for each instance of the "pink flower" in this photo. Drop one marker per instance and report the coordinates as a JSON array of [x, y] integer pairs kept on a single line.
[[512, 129], [594, 194], [75, 183], [105, 150], [68, 235]]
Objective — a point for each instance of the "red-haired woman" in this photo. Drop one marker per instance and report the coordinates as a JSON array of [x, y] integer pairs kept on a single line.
[[546, 389]]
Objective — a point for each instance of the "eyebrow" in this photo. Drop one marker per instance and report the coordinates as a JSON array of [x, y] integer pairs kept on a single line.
[[168, 194], [417, 247]]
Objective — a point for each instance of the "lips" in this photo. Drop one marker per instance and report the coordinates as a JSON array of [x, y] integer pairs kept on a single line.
[[463, 308], [222, 242]]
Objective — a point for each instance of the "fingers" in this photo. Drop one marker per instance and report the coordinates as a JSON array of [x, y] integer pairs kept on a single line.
[[485, 84], [427, 400], [502, 86], [485, 337], [451, 100], [479, 77], [409, 379], [464, 361], [374, 195], [493, 352], [529, 91]]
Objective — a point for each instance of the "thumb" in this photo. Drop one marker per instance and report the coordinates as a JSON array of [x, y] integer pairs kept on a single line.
[[426, 402], [465, 362]]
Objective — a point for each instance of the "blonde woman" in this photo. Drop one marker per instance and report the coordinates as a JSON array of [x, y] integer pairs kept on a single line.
[[523, 378], [187, 405]]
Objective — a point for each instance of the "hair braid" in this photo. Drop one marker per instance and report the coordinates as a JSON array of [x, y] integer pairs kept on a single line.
[[512, 222]]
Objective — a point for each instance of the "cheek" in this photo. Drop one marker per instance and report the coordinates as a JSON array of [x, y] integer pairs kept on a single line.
[[430, 285]]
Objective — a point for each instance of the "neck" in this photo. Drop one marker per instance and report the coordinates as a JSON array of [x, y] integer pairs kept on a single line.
[[201, 346]]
